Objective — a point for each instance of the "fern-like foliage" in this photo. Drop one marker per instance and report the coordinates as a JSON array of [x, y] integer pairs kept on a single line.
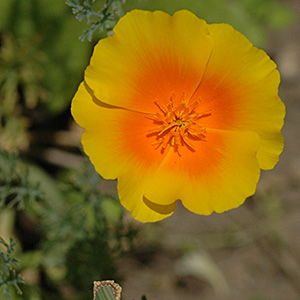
[[9, 277], [15, 188], [101, 20]]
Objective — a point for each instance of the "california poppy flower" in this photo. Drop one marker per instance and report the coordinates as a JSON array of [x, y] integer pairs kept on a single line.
[[177, 109]]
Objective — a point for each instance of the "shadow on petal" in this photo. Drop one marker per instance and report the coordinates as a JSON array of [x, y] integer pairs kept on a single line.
[[161, 209], [96, 100]]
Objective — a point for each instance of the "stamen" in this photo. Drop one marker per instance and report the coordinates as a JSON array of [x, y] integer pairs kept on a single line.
[[178, 125]]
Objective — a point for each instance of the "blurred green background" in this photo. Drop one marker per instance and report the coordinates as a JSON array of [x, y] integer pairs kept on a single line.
[[67, 223]]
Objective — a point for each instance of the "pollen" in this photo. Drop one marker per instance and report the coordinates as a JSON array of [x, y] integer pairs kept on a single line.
[[178, 125]]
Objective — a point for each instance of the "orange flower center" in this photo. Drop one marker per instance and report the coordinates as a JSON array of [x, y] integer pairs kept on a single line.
[[179, 125]]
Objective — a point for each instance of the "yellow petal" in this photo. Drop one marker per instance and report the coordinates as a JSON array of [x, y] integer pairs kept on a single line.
[[241, 86], [114, 138], [218, 176], [131, 187], [105, 142], [150, 56]]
